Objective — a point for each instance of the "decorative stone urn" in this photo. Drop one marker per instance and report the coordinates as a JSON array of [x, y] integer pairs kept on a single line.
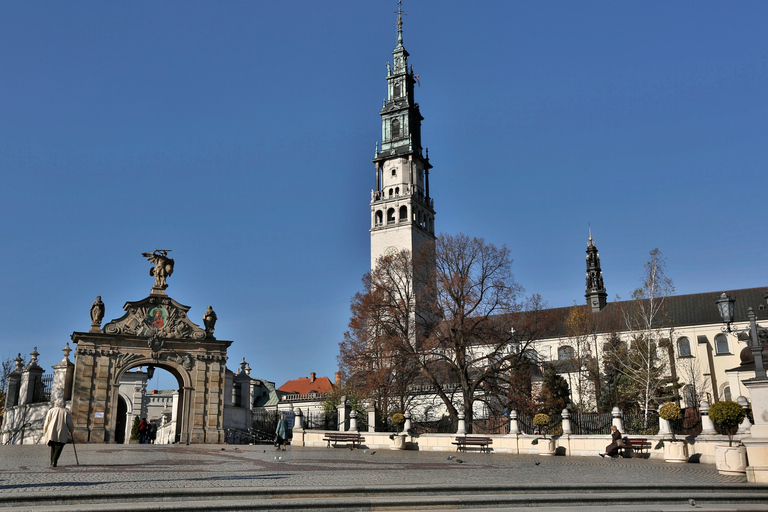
[[546, 446], [731, 460], [398, 442], [675, 451]]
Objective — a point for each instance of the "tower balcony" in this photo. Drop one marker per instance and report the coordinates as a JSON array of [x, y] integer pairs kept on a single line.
[[394, 195]]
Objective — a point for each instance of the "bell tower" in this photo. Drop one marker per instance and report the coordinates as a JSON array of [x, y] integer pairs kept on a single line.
[[402, 212], [595, 290]]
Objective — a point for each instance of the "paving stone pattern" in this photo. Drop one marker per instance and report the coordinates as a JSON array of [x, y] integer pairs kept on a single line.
[[25, 468]]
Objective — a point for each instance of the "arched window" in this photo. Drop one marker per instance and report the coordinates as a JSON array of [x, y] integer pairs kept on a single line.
[[683, 347], [403, 212], [397, 191], [379, 217], [565, 352], [390, 192], [397, 90], [689, 396], [394, 172], [395, 128], [390, 215], [726, 394], [721, 344]]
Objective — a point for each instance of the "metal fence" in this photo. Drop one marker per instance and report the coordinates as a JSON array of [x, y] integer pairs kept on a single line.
[[444, 425], [322, 421], [591, 423]]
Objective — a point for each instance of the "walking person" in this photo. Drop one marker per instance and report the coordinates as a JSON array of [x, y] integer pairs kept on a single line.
[[612, 450], [57, 427], [282, 432], [143, 431]]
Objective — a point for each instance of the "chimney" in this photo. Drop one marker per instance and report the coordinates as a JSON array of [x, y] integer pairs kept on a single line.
[[312, 377], [337, 377]]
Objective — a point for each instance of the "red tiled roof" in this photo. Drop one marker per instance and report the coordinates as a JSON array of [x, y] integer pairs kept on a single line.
[[304, 385]]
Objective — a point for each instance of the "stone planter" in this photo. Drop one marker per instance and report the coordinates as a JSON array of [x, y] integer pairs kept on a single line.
[[546, 446], [731, 460], [675, 451], [398, 442]]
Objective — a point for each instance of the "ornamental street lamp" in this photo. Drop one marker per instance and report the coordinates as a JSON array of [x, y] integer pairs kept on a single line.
[[725, 306]]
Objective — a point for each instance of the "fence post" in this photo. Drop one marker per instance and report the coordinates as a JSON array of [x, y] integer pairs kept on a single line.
[[566, 422], [664, 428], [14, 385], [514, 425], [462, 427], [353, 421], [707, 427], [371, 419], [63, 372], [343, 414], [617, 422], [407, 427], [31, 381], [746, 424]]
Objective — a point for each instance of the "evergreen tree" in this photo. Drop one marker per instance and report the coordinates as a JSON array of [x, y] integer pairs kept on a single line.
[[135, 429]]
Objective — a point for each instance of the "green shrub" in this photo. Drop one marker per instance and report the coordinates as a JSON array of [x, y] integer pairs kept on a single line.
[[541, 420], [729, 415], [135, 428], [670, 412]]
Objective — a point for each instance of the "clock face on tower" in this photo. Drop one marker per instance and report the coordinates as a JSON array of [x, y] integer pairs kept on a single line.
[[391, 251]]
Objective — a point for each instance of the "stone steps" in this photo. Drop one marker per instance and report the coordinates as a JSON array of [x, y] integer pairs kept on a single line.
[[588, 498]]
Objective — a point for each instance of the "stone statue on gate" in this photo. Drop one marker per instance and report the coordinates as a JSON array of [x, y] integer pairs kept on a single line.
[[162, 269], [97, 314], [209, 320]]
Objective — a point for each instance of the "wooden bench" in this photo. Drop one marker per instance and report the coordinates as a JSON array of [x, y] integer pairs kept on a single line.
[[639, 445], [351, 439], [463, 441]]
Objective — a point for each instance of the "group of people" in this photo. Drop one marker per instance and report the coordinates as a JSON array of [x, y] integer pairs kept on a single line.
[[147, 432]]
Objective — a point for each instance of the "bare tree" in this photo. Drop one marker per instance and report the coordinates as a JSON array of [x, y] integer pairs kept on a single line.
[[646, 322], [452, 318]]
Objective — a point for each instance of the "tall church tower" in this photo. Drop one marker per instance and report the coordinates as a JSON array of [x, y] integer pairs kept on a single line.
[[596, 294], [402, 212]]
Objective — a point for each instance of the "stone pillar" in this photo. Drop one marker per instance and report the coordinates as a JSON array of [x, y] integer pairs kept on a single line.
[[407, 427], [514, 425], [707, 427], [757, 442], [31, 381], [746, 424], [63, 373], [617, 421], [343, 413], [353, 421], [566, 422], [462, 427], [371, 411], [14, 385], [298, 423]]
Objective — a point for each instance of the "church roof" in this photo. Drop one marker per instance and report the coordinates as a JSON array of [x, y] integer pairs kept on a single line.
[[681, 310], [306, 385]]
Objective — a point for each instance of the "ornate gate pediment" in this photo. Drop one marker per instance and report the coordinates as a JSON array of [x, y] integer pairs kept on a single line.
[[156, 316]]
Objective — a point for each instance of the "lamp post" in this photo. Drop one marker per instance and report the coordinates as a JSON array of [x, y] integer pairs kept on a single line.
[[725, 306], [757, 442]]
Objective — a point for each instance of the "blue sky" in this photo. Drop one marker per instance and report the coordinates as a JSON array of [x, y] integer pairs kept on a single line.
[[239, 135]]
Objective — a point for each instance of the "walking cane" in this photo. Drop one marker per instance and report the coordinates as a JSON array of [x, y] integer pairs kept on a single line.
[[73, 447]]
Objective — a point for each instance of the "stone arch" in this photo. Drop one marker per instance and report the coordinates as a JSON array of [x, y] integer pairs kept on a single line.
[[192, 355]]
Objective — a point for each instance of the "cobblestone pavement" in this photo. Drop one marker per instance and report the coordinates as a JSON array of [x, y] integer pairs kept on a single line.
[[103, 466]]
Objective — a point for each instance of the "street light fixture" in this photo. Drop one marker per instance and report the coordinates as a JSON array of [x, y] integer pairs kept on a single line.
[[725, 306]]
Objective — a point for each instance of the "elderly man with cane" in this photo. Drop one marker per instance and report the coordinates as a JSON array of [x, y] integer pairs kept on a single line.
[[58, 426]]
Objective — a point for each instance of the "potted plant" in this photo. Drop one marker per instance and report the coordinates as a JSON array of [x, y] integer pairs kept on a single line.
[[134, 438], [675, 450], [729, 460], [546, 444], [398, 438]]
